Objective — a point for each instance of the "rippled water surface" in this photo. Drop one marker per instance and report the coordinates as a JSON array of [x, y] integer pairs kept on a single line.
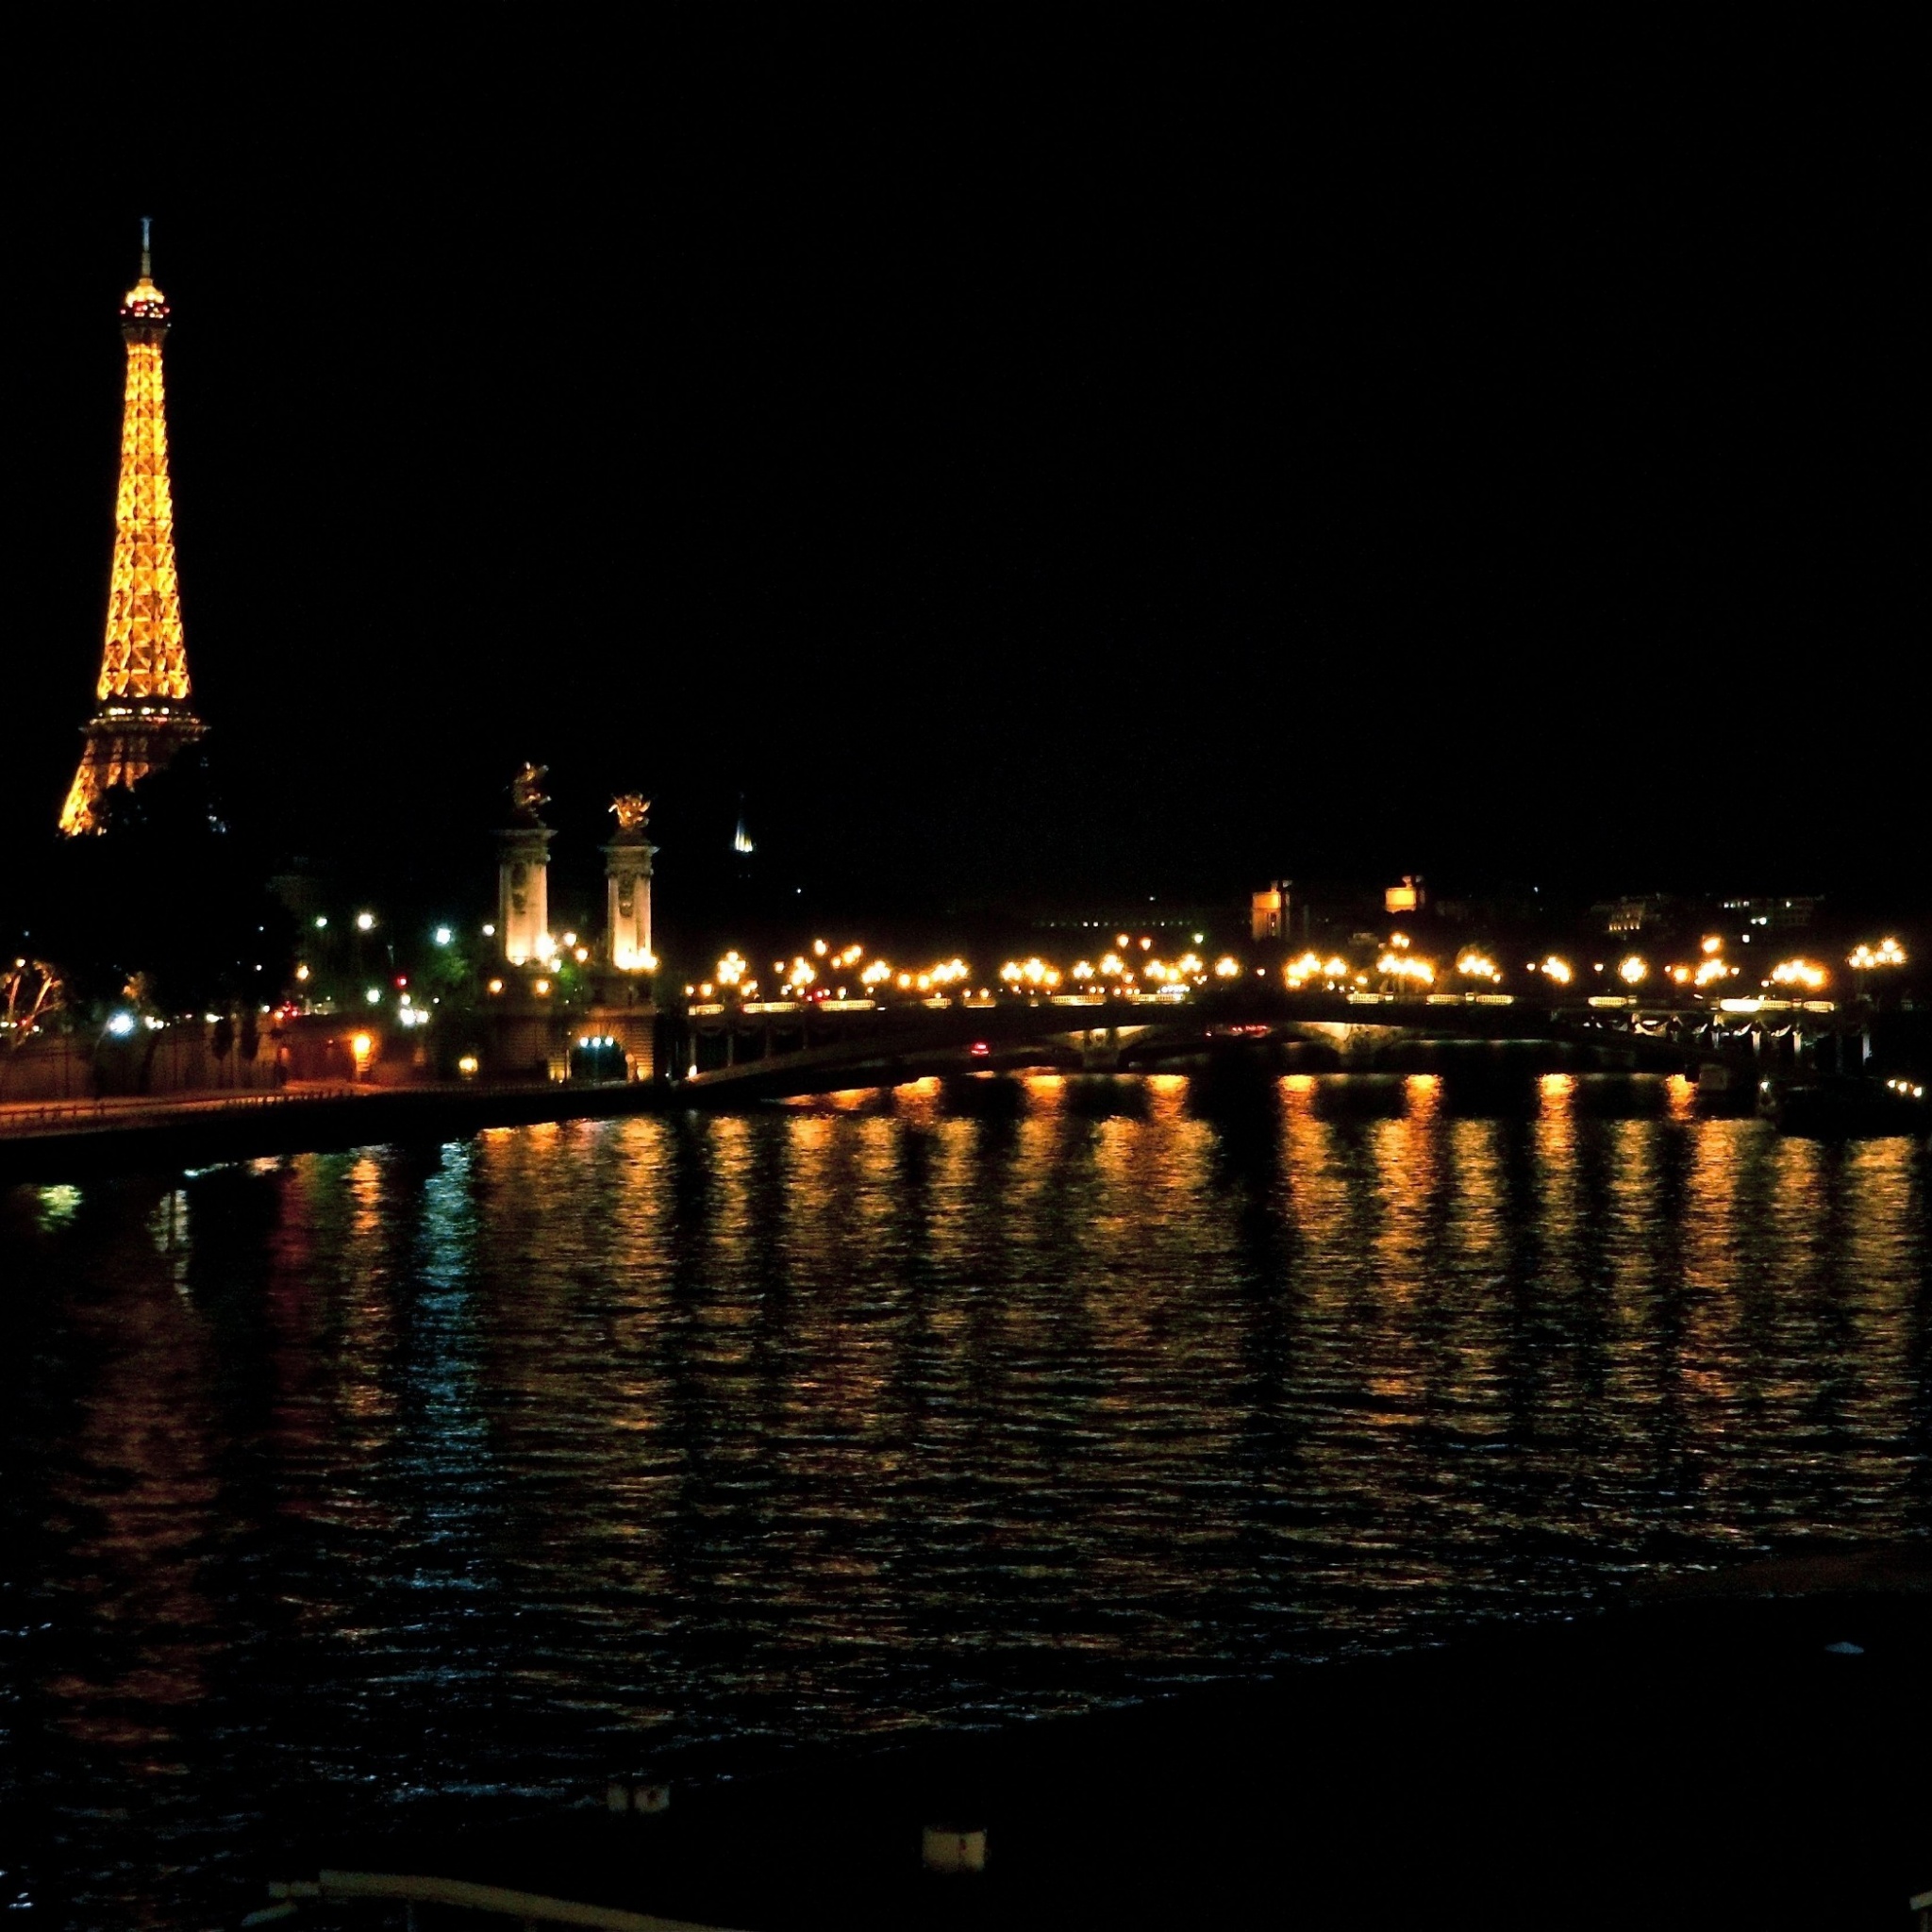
[[335, 1481]]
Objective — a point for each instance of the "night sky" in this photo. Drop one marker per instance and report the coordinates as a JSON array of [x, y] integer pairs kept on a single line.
[[1028, 470]]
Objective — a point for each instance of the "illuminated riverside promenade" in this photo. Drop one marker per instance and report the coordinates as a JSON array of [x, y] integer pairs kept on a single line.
[[789, 1045], [733, 1051], [796, 1042], [835, 1017]]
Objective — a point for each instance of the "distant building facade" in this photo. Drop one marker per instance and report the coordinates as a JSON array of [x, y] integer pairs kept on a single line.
[[1633, 913], [1270, 912], [1776, 913]]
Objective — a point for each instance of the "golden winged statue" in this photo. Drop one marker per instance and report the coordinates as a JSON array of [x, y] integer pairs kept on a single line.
[[526, 791], [631, 807]]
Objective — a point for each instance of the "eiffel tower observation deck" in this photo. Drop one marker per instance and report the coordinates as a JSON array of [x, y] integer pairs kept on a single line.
[[141, 716]]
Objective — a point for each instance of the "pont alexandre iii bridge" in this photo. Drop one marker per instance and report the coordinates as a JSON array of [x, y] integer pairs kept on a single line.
[[732, 1054]]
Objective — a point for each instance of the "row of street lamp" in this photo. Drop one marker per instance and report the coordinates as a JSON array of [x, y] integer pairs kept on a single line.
[[824, 973]]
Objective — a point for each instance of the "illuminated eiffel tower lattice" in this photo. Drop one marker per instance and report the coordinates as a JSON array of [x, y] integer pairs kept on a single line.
[[141, 716]]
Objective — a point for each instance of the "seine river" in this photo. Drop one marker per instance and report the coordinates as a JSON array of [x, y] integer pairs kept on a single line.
[[337, 1481]]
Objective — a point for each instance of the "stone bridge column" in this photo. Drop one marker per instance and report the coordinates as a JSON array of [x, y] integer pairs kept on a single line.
[[523, 892], [627, 890]]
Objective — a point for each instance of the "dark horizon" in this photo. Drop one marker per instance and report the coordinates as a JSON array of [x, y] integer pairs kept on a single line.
[[1017, 495]]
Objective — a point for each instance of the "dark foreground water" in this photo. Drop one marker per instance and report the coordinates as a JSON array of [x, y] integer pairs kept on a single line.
[[337, 1482]]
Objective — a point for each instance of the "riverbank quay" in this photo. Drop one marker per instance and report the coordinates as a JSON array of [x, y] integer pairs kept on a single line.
[[1739, 1753], [71, 1140], [66, 1141]]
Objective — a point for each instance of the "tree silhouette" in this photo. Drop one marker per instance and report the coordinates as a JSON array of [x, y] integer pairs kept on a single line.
[[167, 892]]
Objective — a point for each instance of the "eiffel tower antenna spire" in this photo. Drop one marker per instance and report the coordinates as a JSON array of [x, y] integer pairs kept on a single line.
[[141, 716]]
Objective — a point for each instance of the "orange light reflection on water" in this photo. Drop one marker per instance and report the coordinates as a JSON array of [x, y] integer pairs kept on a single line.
[[776, 1409]]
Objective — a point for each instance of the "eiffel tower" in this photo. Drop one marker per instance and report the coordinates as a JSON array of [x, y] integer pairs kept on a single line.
[[141, 716]]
